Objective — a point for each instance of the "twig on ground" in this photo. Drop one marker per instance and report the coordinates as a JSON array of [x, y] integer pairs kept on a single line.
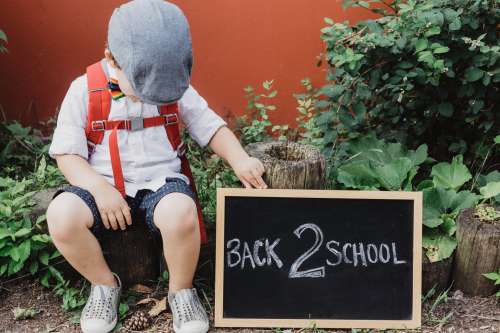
[[481, 317]]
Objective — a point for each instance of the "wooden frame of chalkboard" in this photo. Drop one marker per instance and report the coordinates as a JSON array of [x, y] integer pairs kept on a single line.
[[412, 321]]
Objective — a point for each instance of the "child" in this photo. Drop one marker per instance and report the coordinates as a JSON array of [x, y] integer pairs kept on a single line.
[[148, 61]]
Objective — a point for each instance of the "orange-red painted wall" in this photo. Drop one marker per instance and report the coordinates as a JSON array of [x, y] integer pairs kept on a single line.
[[236, 43]]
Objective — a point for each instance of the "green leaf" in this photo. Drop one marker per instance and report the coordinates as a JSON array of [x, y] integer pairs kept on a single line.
[[425, 184], [358, 175], [24, 250], [455, 25], [492, 276], [329, 20], [392, 175], [462, 200], [438, 246], [439, 203], [435, 30], [15, 254], [33, 267], [446, 109], [5, 233], [44, 258], [3, 36], [473, 74], [44, 280], [14, 267], [490, 190], [22, 232], [43, 238], [421, 45], [441, 50], [272, 94], [449, 226], [497, 139], [451, 176], [3, 269]]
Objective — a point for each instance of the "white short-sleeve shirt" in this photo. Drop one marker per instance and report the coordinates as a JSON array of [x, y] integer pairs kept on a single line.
[[147, 156]]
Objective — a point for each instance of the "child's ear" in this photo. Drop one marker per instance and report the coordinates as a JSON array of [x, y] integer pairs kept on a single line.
[[109, 57]]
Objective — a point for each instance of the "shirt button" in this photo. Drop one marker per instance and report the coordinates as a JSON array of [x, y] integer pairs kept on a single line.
[[148, 179]]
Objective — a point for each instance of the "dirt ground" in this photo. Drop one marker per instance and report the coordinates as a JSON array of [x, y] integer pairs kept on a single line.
[[456, 313]]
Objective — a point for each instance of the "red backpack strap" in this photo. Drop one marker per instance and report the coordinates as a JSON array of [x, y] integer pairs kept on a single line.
[[99, 102], [174, 136], [98, 112]]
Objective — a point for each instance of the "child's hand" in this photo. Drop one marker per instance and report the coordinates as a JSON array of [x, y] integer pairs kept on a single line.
[[114, 210], [249, 171]]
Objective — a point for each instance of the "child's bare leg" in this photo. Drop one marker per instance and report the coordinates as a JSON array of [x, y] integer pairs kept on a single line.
[[69, 220], [176, 217]]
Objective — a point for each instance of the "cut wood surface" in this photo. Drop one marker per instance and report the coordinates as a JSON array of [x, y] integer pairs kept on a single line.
[[290, 165], [478, 252]]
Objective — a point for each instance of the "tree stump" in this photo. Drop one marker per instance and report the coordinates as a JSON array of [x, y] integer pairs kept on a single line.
[[436, 274], [478, 252], [134, 254], [290, 165]]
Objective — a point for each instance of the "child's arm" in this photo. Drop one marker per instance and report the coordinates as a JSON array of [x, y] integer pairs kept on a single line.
[[114, 211], [208, 128], [69, 149], [248, 169]]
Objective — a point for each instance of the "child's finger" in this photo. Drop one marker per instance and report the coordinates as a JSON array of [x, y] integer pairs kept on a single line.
[[259, 179], [245, 183], [120, 219], [253, 181], [126, 213], [104, 218], [112, 221]]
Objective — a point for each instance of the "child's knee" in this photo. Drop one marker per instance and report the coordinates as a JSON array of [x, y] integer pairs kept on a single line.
[[66, 215], [176, 212]]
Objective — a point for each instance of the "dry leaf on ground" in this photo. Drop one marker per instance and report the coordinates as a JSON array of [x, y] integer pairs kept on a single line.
[[142, 289], [147, 300], [159, 307]]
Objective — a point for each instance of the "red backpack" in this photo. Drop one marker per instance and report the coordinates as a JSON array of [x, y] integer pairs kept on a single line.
[[97, 123]]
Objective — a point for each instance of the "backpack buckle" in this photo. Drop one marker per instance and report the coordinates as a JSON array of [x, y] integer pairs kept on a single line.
[[170, 118], [135, 123], [98, 125]]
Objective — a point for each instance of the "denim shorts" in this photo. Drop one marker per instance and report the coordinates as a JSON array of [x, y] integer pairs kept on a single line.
[[142, 206]]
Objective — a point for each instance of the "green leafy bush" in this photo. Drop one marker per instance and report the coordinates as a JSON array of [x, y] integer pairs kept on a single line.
[[255, 125], [22, 148], [368, 163], [426, 72], [444, 198], [372, 164]]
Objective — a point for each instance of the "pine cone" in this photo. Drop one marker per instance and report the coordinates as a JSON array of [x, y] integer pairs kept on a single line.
[[137, 322]]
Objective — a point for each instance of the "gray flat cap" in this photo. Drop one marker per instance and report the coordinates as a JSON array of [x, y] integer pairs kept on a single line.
[[151, 41]]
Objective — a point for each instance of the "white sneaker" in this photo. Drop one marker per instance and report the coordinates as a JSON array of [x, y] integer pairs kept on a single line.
[[189, 316], [100, 314]]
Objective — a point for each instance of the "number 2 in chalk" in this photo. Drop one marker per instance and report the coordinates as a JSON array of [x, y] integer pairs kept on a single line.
[[313, 272]]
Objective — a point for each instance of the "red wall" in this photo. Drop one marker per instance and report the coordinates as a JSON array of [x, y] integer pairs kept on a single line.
[[236, 43]]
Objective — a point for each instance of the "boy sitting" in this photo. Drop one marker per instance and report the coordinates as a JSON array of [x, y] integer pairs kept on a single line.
[[134, 174]]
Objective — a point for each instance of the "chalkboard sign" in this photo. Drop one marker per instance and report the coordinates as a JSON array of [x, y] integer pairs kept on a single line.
[[337, 259]]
